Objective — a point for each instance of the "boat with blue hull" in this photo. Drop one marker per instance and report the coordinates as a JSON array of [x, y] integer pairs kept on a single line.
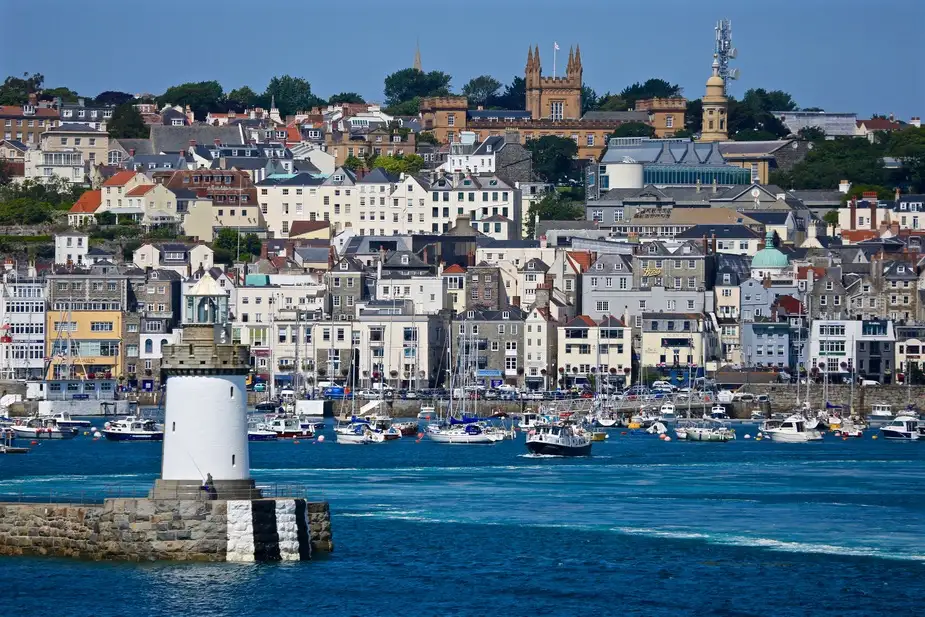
[[133, 428]]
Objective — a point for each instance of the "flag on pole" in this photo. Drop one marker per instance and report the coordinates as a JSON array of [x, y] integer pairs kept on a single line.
[[555, 46]]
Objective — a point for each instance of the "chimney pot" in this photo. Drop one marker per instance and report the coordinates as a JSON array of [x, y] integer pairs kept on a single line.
[[217, 142], [192, 143]]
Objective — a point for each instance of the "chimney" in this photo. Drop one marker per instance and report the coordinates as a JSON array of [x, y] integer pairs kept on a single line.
[[873, 215], [263, 249], [131, 152], [33, 99], [217, 141], [844, 186], [515, 301], [192, 143], [916, 122], [854, 213], [714, 244], [543, 242], [892, 117], [896, 194]]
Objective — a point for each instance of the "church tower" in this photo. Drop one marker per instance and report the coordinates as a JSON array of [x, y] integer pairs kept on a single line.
[[715, 105], [417, 58], [553, 98]]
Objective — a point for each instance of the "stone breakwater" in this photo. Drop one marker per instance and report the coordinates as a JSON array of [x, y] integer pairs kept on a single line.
[[175, 530], [784, 396]]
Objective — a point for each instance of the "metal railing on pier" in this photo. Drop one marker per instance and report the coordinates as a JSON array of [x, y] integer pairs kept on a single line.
[[96, 496]]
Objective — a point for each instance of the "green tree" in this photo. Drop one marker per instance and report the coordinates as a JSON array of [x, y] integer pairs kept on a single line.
[[233, 243], [553, 207], [650, 89], [345, 97], [589, 100], [480, 89], [683, 133], [755, 135], [113, 98], [105, 218], [406, 108], [242, 98], [611, 102], [857, 192], [408, 164], [833, 160], [830, 218], [811, 133], [16, 90], [753, 112], [693, 116], [634, 129], [292, 94], [202, 97], [127, 123], [513, 97], [908, 145], [407, 84], [427, 137], [6, 172], [553, 157], [25, 211], [67, 95], [353, 163]]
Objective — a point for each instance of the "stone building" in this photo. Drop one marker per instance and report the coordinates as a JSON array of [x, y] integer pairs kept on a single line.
[[491, 342], [151, 325], [485, 287]]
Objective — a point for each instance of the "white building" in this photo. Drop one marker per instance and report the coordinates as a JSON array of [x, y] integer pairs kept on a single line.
[[66, 164], [71, 248], [428, 294], [22, 333], [541, 350]]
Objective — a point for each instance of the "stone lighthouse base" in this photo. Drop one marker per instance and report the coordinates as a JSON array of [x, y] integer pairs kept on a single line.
[[169, 529], [193, 489]]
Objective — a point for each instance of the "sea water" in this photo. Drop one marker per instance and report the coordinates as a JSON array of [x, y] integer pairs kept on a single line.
[[643, 527]]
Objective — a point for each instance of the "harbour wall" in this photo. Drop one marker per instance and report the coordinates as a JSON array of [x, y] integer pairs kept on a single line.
[[175, 530], [784, 396]]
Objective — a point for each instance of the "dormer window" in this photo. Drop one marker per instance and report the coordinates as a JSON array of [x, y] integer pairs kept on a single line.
[[344, 265], [404, 260], [618, 266], [506, 315], [598, 266], [470, 315], [530, 266], [653, 249], [901, 269]]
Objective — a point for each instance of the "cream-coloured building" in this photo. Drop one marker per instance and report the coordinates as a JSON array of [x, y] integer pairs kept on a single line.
[[157, 203], [93, 144], [588, 348], [541, 350], [204, 218], [681, 340], [184, 259], [455, 277], [66, 164], [715, 104]]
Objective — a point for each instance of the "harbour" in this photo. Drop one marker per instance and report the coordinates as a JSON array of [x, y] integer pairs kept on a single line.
[[766, 517]]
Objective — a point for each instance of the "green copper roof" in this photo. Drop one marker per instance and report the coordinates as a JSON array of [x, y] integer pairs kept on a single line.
[[770, 257]]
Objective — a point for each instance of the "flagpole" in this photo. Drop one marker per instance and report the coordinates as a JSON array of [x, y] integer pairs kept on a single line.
[[555, 48]]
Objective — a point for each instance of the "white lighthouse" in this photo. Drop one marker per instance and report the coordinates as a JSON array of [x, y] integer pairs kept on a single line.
[[205, 423]]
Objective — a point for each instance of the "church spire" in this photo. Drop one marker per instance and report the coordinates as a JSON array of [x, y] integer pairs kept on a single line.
[[417, 57], [529, 59], [536, 59], [571, 60], [578, 57]]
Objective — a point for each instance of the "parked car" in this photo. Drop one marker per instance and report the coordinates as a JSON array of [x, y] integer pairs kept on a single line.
[[260, 387], [533, 395], [745, 397], [869, 382]]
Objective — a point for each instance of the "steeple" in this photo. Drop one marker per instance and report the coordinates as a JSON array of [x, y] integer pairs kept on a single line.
[[578, 58], [529, 59], [417, 57], [571, 61], [536, 59]]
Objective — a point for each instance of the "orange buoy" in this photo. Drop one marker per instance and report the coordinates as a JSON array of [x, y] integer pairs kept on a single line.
[[420, 435], [34, 443]]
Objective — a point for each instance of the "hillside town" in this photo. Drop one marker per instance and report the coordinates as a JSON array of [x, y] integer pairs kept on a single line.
[[371, 245]]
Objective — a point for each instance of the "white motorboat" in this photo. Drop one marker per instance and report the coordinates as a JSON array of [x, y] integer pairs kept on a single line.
[[903, 428], [287, 427], [359, 433], [657, 428], [792, 430], [559, 439], [757, 414], [849, 428], [471, 433], [666, 414], [43, 428], [606, 419], [64, 420], [880, 413], [705, 431], [530, 420], [133, 428], [258, 431], [427, 412]]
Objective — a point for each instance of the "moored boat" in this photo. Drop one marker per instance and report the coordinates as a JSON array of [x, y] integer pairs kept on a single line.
[[559, 439], [43, 428], [903, 428], [880, 413], [471, 433], [792, 430], [64, 420], [133, 428], [287, 427]]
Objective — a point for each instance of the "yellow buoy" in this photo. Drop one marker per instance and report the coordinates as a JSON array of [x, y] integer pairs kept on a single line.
[[635, 425]]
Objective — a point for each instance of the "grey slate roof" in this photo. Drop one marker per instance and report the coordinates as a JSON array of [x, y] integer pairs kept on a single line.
[[768, 217], [177, 138], [618, 116], [721, 232], [293, 180], [16, 144], [141, 146], [74, 127], [378, 176]]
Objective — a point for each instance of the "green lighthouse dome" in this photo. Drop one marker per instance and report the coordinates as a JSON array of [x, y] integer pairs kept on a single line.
[[770, 257]]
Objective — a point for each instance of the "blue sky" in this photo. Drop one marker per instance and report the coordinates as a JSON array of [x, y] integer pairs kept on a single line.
[[842, 55]]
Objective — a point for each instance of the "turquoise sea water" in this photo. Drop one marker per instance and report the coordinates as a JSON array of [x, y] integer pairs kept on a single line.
[[641, 528]]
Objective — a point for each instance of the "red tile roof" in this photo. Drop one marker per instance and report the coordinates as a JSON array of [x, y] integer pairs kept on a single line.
[[790, 304], [858, 235], [16, 112], [138, 191], [293, 135], [582, 319], [803, 272], [582, 258], [879, 124], [120, 179], [455, 269], [88, 202]]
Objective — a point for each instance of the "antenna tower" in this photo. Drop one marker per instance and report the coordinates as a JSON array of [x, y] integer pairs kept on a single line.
[[725, 51]]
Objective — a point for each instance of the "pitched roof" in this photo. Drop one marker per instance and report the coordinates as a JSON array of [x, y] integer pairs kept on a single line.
[[790, 304], [16, 112], [88, 202], [880, 124], [120, 179], [611, 322], [177, 138], [138, 191], [455, 269], [581, 321], [818, 272], [719, 231], [582, 259], [303, 227]]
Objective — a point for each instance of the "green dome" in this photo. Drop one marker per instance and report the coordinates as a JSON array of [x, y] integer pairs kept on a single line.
[[770, 257]]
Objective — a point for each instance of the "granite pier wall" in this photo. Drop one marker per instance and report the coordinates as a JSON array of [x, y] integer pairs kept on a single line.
[[174, 530]]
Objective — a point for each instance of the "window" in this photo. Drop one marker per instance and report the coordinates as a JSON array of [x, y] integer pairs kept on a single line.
[[669, 121], [602, 306], [589, 139]]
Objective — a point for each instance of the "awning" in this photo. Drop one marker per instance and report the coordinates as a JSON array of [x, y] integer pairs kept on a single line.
[[282, 378]]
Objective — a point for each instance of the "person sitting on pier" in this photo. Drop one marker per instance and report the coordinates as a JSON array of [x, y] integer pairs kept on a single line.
[[209, 487]]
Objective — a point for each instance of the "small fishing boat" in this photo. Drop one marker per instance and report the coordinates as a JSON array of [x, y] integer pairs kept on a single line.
[[407, 429], [903, 428], [559, 439], [427, 412], [666, 413], [792, 430], [717, 412], [880, 413], [258, 431], [133, 428], [287, 427], [43, 428], [708, 430], [64, 420], [359, 433], [757, 414], [657, 428]]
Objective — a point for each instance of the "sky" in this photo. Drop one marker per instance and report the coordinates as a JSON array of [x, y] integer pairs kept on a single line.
[[863, 56]]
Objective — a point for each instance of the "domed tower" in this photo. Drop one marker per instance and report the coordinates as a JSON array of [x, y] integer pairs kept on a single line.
[[715, 105], [769, 262], [205, 422]]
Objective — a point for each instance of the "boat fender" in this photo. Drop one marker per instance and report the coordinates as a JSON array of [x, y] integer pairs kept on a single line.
[[420, 435], [747, 436], [623, 433], [97, 435], [667, 438], [320, 438], [874, 437], [34, 443], [107, 426]]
